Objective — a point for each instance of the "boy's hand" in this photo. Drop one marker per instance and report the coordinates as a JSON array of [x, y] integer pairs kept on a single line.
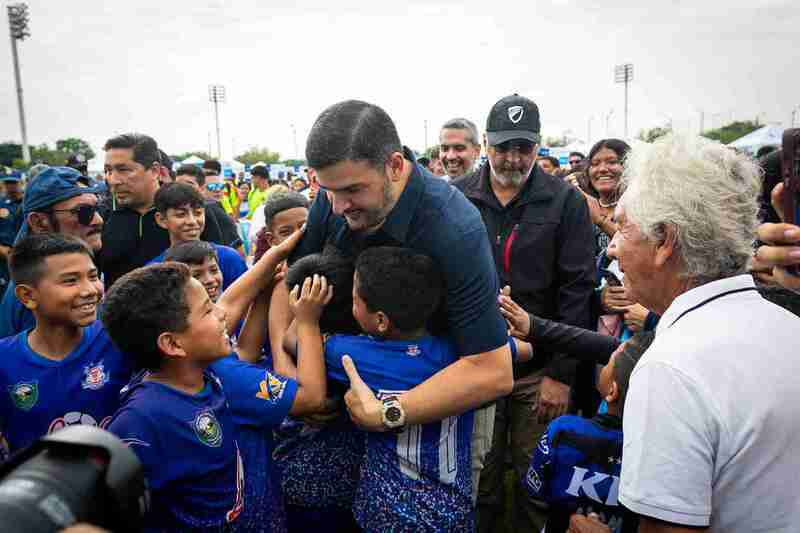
[[518, 320], [283, 250], [781, 247], [635, 316], [307, 303], [614, 299]]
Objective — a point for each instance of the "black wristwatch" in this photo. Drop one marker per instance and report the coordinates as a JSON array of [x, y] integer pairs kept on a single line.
[[393, 416]]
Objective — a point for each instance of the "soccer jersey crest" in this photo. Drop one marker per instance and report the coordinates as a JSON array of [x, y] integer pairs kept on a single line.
[[413, 350], [271, 388], [25, 394], [94, 376], [207, 429]]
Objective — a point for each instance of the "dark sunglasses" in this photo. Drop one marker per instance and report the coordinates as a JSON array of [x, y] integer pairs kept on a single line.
[[215, 187], [84, 212], [523, 147]]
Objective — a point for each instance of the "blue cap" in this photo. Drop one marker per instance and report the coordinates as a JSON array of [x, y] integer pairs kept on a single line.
[[51, 186], [54, 185]]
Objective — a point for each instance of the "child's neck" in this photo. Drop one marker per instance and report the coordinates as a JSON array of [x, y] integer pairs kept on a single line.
[[613, 409], [397, 335], [179, 375], [54, 341]]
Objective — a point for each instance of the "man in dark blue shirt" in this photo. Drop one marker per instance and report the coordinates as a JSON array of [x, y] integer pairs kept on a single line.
[[376, 195]]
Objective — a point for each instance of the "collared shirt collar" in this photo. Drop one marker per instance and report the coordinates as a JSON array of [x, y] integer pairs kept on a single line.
[[399, 219], [698, 295]]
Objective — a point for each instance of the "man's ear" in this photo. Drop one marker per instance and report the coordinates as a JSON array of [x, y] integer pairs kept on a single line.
[[161, 220], [396, 162], [170, 345], [39, 223], [667, 248], [28, 296]]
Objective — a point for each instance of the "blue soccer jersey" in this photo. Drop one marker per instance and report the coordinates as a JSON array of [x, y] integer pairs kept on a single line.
[[40, 395], [575, 469], [419, 480], [260, 400]]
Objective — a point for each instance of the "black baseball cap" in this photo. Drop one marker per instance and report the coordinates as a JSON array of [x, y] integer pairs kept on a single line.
[[513, 118]]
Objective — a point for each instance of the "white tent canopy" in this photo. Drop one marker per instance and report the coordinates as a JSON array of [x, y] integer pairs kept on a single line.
[[766, 136], [192, 160]]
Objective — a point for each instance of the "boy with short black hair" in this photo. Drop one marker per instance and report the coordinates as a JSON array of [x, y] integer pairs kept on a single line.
[[576, 465], [283, 213], [176, 416], [65, 370], [203, 262], [180, 210]]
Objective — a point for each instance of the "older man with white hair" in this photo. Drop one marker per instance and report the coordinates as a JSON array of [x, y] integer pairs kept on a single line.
[[712, 420]]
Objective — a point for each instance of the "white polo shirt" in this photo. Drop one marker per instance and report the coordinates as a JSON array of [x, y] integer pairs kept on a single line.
[[712, 417]]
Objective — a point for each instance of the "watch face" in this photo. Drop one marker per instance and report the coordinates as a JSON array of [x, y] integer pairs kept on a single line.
[[393, 414]]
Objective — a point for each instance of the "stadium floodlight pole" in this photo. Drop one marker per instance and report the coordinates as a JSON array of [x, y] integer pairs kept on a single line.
[[216, 94], [18, 23], [624, 74]]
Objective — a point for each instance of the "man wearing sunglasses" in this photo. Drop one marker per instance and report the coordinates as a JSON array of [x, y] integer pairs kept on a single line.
[[541, 239], [59, 200]]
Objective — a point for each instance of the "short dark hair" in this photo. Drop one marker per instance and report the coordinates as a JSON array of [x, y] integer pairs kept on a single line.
[[213, 164], [625, 362], [191, 253], [143, 304], [465, 124], [260, 171], [145, 148], [193, 171], [28, 257], [337, 316], [406, 285], [553, 160], [352, 131], [577, 154], [282, 201], [166, 162], [176, 195]]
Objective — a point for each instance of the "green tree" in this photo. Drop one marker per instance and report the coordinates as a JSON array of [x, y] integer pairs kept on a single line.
[[732, 131], [44, 154], [653, 133], [186, 155], [555, 142], [9, 152], [74, 145], [294, 162], [257, 153]]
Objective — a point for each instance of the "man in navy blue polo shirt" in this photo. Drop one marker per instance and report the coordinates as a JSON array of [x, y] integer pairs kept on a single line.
[[376, 195]]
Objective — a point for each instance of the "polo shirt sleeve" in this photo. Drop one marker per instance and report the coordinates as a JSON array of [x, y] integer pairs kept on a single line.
[[473, 314], [257, 397], [670, 435], [316, 228]]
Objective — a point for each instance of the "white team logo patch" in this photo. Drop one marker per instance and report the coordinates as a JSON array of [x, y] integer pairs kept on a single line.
[[74, 418], [543, 445], [515, 113], [94, 376], [413, 350], [533, 480]]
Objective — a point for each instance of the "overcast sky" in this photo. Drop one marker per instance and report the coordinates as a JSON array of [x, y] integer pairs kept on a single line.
[[95, 68]]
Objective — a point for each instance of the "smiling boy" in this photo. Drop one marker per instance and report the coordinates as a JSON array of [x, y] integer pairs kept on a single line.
[[65, 370], [180, 210]]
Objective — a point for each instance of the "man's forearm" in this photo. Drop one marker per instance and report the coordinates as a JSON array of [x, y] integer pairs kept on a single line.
[[466, 384]]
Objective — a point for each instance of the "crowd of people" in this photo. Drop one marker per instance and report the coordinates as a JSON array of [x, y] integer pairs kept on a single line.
[[380, 348]]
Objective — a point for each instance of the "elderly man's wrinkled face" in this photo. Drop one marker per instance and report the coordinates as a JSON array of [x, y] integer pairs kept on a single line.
[[636, 257]]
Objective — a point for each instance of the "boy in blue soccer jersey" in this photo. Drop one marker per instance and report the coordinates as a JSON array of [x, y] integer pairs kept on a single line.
[[177, 415], [65, 370], [320, 462], [576, 466], [180, 210], [416, 478]]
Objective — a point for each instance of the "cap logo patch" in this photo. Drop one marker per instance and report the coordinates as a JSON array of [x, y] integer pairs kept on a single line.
[[515, 113]]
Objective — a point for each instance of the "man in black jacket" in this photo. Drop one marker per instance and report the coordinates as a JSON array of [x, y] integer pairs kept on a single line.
[[543, 249], [131, 236]]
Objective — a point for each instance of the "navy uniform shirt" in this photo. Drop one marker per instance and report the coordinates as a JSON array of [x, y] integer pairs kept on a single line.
[[432, 218], [10, 221]]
